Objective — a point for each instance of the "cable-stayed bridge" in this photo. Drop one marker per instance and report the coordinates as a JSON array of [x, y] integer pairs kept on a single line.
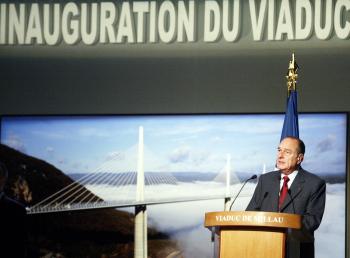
[[115, 190], [101, 190], [112, 185]]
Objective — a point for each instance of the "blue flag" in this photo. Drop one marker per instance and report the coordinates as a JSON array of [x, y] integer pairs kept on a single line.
[[291, 124]]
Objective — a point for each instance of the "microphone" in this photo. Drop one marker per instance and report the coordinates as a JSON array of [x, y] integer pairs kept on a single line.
[[246, 181], [260, 203]]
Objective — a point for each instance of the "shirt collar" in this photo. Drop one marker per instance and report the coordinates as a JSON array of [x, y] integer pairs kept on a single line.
[[291, 176]]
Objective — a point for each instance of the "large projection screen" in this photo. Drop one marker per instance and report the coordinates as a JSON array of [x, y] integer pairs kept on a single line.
[[185, 156]]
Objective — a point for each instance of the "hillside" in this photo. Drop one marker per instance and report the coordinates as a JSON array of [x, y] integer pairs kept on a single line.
[[93, 233]]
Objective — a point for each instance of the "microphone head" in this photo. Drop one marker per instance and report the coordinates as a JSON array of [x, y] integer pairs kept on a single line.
[[253, 177]]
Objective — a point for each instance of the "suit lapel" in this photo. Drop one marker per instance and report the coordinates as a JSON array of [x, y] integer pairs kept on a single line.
[[295, 190]]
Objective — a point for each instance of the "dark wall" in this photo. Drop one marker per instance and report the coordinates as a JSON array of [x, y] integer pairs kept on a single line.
[[223, 84]]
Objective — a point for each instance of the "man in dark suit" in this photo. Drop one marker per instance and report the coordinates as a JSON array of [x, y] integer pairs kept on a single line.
[[291, 189], [12, 222]]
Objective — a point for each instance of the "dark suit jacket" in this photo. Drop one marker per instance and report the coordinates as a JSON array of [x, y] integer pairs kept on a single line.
[[13, 228], [307, 198]]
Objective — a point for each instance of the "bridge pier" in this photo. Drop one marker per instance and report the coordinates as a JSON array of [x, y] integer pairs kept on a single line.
[[140, 232]]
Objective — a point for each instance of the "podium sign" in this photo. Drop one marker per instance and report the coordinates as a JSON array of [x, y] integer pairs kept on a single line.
[[250, 234]]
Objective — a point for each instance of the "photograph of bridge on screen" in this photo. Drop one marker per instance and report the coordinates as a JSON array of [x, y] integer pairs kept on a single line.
[[186, 159]]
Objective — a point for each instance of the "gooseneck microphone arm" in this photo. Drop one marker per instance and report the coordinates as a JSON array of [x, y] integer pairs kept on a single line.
[[258, 208], [292, 200], [246, 181]]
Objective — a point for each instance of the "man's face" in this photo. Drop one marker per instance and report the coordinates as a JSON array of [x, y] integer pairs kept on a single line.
[[288, 156]]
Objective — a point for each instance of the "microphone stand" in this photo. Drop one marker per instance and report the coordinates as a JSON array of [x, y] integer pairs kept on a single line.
[[246, 181], [292, 200]]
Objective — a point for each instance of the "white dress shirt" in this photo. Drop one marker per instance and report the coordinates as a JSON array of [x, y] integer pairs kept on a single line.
[[291, 178]]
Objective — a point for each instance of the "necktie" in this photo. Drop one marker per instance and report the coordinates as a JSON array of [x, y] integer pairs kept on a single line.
[[284, 191]]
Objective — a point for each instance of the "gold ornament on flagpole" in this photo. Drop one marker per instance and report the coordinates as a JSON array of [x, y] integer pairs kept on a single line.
[[292, 75]]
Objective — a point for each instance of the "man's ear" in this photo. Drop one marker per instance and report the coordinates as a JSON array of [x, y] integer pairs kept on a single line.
[[300, 158]]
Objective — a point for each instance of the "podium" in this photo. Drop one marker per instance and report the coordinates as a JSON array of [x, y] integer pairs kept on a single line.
[[248, 234]]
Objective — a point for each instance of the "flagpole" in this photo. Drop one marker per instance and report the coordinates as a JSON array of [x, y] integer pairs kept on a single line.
[[292, 75], [291, 123]]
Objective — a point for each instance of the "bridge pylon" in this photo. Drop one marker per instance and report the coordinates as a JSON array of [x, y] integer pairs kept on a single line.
[[140, 233]]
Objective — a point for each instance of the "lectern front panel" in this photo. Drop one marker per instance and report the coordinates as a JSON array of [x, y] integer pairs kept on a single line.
[[245, 243], [248, 234]]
